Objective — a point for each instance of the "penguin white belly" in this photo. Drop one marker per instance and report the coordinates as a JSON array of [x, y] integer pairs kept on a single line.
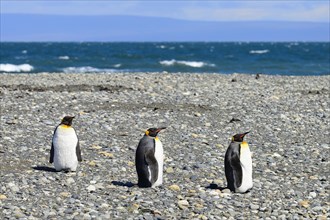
[[65, 142], [246, 164], [159, 155]]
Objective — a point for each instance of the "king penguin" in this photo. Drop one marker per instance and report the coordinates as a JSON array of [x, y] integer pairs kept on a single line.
[[65, 151], [149, 159], [238, 165]]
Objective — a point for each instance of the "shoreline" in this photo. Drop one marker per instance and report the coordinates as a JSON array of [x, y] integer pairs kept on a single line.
[[288, 117]]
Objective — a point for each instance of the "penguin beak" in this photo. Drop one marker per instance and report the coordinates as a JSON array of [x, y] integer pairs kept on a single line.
[[159, 129], [242, 135]]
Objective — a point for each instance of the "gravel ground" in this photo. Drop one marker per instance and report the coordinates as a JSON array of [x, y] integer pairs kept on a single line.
[[288, 118]]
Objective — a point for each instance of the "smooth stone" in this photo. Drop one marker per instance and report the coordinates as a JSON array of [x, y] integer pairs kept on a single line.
[[183, 204], [254, 206], [174, 187], [91, 188]]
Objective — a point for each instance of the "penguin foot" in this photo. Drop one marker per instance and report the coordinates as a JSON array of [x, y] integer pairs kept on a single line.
[[68, 170]]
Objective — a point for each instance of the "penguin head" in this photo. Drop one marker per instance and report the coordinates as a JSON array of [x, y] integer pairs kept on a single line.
[[152, 132], [67, 120], [239, 137]]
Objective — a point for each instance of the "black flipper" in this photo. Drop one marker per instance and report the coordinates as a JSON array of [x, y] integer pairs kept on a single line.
[[153, 164], [233, 167], [51, 158], [141, 163], [78, 152], [237, 171]]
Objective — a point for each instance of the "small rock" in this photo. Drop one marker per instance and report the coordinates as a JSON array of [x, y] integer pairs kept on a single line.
[[194, 135], [183, 204], [226, 191], [18, 214], [97, 147], [92, 163], [312, 194], [219, 145], [193, 178], [91, 188], [104, 206], [198, 206], [215, 192], [276, 155], [107, 154], [203, 217], [3, 197], [64, 194], [156, 212], [174, 187], [99, 186], [70, 180], [219, 182], [304, 203], [130, 163], [254, 206], [13, 187], [313, 177], [169, 170], [197, 114]]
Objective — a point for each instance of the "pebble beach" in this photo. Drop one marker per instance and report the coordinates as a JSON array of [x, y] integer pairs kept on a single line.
[[288, 118]]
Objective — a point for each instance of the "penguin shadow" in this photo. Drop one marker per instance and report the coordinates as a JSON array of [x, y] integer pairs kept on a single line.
[[124, 184], [215, 186], [45, 168]]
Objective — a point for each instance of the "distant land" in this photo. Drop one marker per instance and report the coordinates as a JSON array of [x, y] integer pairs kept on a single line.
[[36, 28]]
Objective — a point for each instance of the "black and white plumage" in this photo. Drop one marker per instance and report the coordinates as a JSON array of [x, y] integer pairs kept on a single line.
[[238, 165], [65, 151], [149, 159]]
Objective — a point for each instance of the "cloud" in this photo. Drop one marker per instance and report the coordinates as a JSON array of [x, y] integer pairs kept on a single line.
[[261, 10], [191, 10]]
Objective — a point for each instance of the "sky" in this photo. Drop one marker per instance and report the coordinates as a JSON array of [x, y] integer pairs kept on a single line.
[[234, 10], [76, 20]]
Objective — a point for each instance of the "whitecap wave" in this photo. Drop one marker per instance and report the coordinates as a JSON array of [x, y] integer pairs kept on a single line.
[[195, 64], [15, 68], [86, 69], [259, 51], [167, 62], [63, 57], [117, 65], [161, 46]]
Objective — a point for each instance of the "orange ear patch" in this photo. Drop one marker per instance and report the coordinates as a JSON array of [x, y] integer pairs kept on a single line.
[[244, 144], [65, 126]]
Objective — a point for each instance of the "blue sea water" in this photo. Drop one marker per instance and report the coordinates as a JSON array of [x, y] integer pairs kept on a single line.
[[283, 58]]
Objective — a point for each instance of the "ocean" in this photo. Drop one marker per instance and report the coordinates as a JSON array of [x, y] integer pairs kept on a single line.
[[283, 58]]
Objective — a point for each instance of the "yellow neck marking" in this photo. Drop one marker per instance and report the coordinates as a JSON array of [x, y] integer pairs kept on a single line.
[[65, 126], [156, 138], [244, 144]]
